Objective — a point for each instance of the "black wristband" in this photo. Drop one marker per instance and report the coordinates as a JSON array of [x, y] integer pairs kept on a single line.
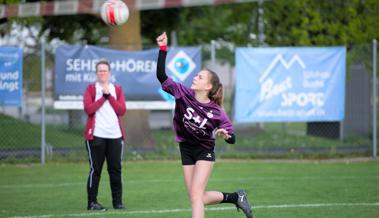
[[232, 139], [106, 96]]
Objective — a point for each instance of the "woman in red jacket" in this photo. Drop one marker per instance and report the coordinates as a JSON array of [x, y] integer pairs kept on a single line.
[[104, 104]]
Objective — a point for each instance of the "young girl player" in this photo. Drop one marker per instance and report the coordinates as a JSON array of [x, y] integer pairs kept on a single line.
[[199, 116]]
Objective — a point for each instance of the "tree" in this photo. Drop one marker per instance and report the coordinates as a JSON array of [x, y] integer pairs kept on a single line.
[[350, 23], [287, 23], [199, 25], [321, 22]]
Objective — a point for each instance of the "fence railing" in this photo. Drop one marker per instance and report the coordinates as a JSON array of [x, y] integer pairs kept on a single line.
[[60, 133]]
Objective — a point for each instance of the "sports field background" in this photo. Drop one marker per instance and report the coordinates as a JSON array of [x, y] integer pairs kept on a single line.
[[284, 140], [285, 189], [280, 185]]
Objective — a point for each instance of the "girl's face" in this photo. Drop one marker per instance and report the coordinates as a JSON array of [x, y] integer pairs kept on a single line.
[[103, 73], [201, 82]]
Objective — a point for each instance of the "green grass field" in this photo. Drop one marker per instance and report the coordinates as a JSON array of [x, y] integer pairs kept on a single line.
[[155, 189]]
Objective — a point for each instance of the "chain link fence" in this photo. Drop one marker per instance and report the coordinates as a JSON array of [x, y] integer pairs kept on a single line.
[[20, 128]]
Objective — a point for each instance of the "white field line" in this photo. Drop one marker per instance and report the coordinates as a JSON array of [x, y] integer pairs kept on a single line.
[[278, 206], [56, 185]]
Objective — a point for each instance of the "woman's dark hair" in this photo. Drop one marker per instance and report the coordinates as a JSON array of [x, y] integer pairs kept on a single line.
[[216, 93]]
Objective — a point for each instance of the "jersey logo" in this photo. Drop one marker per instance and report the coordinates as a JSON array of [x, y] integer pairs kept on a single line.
[[197, 119], [209, 114], [193, 122]]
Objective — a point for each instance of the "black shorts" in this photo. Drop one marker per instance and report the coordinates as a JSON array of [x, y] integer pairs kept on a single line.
[[191, 153]]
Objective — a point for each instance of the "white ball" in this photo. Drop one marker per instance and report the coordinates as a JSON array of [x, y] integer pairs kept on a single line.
[[114, 12]]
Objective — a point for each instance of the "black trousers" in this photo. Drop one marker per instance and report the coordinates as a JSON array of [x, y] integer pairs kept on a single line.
[[98, 150]]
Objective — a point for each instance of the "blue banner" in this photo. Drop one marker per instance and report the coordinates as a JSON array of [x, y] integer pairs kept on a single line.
[[10, 76], [290, 84], [134, 71]]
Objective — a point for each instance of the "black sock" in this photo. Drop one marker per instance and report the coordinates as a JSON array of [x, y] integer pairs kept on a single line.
[[230, 197]]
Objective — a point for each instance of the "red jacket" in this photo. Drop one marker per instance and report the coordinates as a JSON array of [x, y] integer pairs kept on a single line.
[[91, 106]]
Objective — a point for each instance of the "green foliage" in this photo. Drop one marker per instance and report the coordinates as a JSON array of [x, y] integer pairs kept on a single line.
[[286, 23], [20, 134], [87, 29], [32, 72], [321, 22], [154, 22], [9, 1], [199, 25]]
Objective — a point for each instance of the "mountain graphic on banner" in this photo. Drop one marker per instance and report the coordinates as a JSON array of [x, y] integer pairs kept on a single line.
[[279, 59]]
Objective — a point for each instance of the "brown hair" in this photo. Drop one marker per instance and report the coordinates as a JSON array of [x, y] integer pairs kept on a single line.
[[103, 61], [216, 93]]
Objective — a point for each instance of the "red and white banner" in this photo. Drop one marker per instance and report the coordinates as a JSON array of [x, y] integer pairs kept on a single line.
[[71, 7]]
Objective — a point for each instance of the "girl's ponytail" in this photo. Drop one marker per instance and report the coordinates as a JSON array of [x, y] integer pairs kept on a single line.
[[216, 94]]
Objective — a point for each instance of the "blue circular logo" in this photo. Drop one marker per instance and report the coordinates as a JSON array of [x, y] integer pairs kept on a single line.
[[181, 65]]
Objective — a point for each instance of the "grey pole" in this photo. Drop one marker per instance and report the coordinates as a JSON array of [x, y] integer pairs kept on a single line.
[[213, 52], [43, 95], [174, 39], [261, 39], [374, 142], [261, 28]]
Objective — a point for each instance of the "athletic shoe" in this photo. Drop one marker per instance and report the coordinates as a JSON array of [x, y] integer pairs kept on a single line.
[[119, 207], [243, 204], [96, 206]]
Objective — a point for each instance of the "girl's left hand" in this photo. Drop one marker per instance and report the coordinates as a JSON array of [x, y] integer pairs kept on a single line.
[[162, 39], [223, 133]]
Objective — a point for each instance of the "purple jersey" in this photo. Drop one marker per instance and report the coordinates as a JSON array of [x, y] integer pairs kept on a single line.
[[195, 121]]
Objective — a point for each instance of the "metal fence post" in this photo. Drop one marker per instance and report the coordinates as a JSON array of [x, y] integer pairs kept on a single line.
[[43, 96], [213, 52], [374, 95]]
